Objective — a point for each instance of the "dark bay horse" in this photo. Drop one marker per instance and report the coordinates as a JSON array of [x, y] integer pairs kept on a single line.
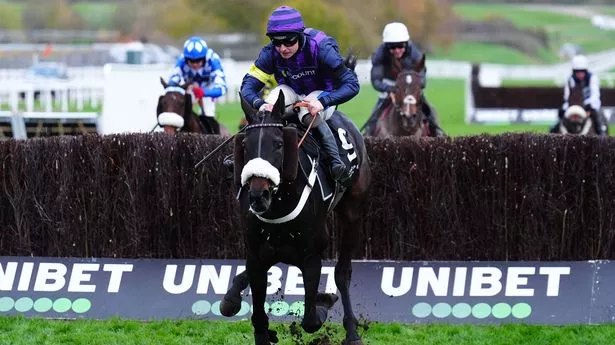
[[174, 112], [404, 116], [285, 221]]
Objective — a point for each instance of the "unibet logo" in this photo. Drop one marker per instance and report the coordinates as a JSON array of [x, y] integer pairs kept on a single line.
[[473, 281], [479, 310]]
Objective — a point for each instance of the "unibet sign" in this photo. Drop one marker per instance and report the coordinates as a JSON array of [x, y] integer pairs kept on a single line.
[[534, 292]]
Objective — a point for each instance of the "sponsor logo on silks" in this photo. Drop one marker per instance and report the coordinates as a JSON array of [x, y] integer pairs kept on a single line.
[[304, 73]]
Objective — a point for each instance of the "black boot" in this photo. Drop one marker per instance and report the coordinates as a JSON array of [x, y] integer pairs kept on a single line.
[[600, 125], [555, 128], [210, 124], [339, 171], [434, 127], [228, 163], [373, 119]]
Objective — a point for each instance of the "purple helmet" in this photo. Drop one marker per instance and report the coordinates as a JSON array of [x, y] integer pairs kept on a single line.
[[285, 19]]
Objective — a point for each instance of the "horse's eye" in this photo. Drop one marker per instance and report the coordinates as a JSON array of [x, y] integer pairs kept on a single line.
[[278, 145]]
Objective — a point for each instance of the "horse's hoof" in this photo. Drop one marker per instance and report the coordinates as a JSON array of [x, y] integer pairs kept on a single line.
[[353, 342], [230, 308], [273, 336], [326, 300]]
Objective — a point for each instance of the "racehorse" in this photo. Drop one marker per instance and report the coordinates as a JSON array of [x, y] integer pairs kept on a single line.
[[576, 119], [284, 215], [404, 115], [174, 112]]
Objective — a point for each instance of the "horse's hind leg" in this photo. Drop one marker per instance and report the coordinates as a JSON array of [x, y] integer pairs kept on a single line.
[[351, 230], [231, 303]]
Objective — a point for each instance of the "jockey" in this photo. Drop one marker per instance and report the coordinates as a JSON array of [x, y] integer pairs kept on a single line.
[[201, 66], [392, 56], [591, 93], [307, 66]]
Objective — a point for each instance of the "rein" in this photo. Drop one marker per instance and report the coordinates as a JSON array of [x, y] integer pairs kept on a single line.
[[258, 125]]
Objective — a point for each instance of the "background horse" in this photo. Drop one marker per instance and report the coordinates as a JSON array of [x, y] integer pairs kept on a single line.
[[404, 116], [576, 119], [286, 222], [175, 112]]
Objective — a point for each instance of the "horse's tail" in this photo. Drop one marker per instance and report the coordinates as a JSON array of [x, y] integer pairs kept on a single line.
[[351, 59]]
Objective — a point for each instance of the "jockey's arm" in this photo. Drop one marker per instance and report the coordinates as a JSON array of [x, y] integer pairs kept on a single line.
[[177, 75], [347, 82], [594, 98], [217, 86], [257, 76], [377, 72]]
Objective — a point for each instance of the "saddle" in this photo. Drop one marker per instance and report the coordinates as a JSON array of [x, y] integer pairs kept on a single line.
[[311, 153]]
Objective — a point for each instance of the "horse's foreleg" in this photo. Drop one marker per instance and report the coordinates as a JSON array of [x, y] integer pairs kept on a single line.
[[231, 303], [315, 313], [258, 283]]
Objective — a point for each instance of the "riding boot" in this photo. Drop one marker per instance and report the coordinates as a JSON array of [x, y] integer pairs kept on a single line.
[[339, 171], [600, 125], [210, 124], [434, 126], [375, 116], [555, 128], [229, 163]]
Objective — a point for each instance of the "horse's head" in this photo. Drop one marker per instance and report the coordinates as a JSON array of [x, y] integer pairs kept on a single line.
[[575, 120], [269, 150], [407, 100], [408, 97], [173, 107]]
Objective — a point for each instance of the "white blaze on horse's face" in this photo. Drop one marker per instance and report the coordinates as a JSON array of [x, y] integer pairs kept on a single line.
[[409, 79]]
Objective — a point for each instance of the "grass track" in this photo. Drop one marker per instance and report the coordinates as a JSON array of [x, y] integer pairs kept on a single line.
[[20, 331]]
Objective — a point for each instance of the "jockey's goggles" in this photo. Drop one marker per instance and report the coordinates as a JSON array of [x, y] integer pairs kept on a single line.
[[195, 60], [396, 45], [287, 41]]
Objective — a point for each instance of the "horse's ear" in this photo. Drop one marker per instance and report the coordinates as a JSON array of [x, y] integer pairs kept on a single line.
[[420, 65], [247, 108], [164, 83], [159, 107], [279, 106], [188, 105]]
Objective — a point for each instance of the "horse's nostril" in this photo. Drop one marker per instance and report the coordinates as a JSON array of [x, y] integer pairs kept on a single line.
[[266, 194]]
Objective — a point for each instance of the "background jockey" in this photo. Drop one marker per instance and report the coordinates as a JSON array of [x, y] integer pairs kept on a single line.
[[202, 67], [395, 54], [591, 94], [307, 66]]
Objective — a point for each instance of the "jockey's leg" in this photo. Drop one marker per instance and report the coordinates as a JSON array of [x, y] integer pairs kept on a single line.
[[211, 125], [208, 116], [375, 115], [339, 171], [434, 126], [600, 124]]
